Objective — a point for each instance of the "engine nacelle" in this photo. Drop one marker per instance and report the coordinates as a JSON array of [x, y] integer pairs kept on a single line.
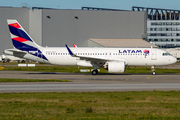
[[116, 67]]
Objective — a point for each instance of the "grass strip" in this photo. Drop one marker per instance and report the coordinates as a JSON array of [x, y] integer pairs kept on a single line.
[[91, 106], [32, 80]]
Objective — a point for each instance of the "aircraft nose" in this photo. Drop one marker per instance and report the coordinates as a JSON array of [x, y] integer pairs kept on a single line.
[[173, 60]]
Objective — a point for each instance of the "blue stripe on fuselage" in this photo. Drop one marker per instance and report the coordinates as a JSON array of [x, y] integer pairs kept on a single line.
[[25, 47]]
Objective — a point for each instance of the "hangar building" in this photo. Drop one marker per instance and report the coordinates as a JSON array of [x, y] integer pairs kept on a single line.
[[93, 28]]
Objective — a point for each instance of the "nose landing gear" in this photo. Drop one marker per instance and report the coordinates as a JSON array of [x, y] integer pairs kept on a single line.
[[153, 70]]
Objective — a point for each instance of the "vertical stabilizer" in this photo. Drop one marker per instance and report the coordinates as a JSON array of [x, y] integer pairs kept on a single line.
[[20, 38]]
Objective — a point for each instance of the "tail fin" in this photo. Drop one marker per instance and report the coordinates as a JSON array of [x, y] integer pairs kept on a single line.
[[20, 39]]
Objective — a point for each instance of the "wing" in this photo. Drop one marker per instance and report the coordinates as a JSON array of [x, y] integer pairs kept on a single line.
[[93, 60]]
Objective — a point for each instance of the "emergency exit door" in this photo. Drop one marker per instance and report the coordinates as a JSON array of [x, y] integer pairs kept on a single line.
[[153, 55]]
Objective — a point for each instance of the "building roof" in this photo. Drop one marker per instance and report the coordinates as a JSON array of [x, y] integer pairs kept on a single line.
[[123, 43]]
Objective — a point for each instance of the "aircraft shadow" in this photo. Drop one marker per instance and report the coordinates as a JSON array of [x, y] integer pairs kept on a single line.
[[62, 73]]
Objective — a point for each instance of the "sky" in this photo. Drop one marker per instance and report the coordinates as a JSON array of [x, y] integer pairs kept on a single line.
[[77, 4]]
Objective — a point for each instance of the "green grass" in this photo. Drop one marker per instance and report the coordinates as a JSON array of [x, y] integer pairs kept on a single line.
[[148, 70], [131, 70], [91, 106], [32, 80]]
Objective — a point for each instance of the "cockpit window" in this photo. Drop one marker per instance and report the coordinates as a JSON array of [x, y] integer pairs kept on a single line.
[[165, 54]]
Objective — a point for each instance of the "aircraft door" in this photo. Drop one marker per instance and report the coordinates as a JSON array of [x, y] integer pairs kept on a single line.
[[153, 55]]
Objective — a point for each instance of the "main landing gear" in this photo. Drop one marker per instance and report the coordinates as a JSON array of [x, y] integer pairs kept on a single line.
[[96, 66], [153, 70], [95, 72]]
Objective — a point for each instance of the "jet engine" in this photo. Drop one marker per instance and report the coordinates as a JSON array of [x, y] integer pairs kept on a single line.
[[116, 67]]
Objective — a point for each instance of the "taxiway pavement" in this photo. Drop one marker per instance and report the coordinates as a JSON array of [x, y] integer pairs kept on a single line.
[[85, 82]]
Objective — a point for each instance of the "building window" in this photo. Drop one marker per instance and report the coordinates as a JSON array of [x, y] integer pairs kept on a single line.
[[155, 39], [168, 23], [153, 23], [178, 29], [173, 34], [163, 40], [153, 34], [168, 29], [177, 45], [148, 34], [173, 29], [158, 23], [173, 23], [159, 29], [168, 34], [162, 34], [163, 29]]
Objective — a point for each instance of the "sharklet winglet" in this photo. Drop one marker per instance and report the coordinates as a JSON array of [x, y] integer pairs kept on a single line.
[[69, 50]]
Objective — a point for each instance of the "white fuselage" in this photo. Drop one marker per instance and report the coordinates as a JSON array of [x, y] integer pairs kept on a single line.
[[131, 56]]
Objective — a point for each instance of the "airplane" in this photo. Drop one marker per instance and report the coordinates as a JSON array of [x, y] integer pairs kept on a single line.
[[115, 60]]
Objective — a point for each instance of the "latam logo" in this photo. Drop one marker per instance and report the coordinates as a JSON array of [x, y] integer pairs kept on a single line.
[[146, 52], [130, 51]]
